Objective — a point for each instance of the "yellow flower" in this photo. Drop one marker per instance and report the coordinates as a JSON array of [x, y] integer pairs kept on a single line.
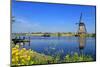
[[13, 59], [28, 58], [14, 48], [24, 49], [17, 46], [17, 53], [23, 61], [21, 56], [16, 57]]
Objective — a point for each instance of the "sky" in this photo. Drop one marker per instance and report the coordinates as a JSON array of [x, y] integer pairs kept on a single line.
[[46, 17]]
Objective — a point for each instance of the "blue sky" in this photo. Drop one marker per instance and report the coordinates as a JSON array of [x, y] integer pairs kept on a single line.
[[43, 17]]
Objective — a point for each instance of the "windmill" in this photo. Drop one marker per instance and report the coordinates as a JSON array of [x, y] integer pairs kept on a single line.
[[81, 27]]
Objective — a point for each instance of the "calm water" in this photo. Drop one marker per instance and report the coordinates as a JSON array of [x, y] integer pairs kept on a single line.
[[63, 45]]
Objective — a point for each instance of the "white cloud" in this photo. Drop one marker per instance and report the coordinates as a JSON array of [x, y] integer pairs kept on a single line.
[[21, 25]]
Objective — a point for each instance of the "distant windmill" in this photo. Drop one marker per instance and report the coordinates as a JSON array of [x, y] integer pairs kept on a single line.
[[81, 26]]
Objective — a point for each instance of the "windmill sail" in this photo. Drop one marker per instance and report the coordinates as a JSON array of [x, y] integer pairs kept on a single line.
[[80, 18]]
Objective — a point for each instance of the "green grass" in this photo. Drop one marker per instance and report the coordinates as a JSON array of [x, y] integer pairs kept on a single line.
[[22, 56], [77, 58]]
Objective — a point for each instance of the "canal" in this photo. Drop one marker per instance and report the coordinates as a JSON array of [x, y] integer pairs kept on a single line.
[[62, 46]]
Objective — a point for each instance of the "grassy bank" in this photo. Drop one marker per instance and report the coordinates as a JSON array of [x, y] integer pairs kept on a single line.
[[53, 34], [22, 56], [28, 57], [77, 58]]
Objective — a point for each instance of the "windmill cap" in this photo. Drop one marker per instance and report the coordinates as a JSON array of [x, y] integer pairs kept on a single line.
[[81, 23]]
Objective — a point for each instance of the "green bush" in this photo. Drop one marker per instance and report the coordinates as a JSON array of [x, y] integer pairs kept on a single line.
[[77, 58], [28, 57]]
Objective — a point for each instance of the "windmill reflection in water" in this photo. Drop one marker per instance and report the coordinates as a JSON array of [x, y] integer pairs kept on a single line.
[[82, 44]]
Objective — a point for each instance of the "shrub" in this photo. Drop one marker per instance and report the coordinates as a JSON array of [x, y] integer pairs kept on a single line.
[[77, 58], [22, 56]]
